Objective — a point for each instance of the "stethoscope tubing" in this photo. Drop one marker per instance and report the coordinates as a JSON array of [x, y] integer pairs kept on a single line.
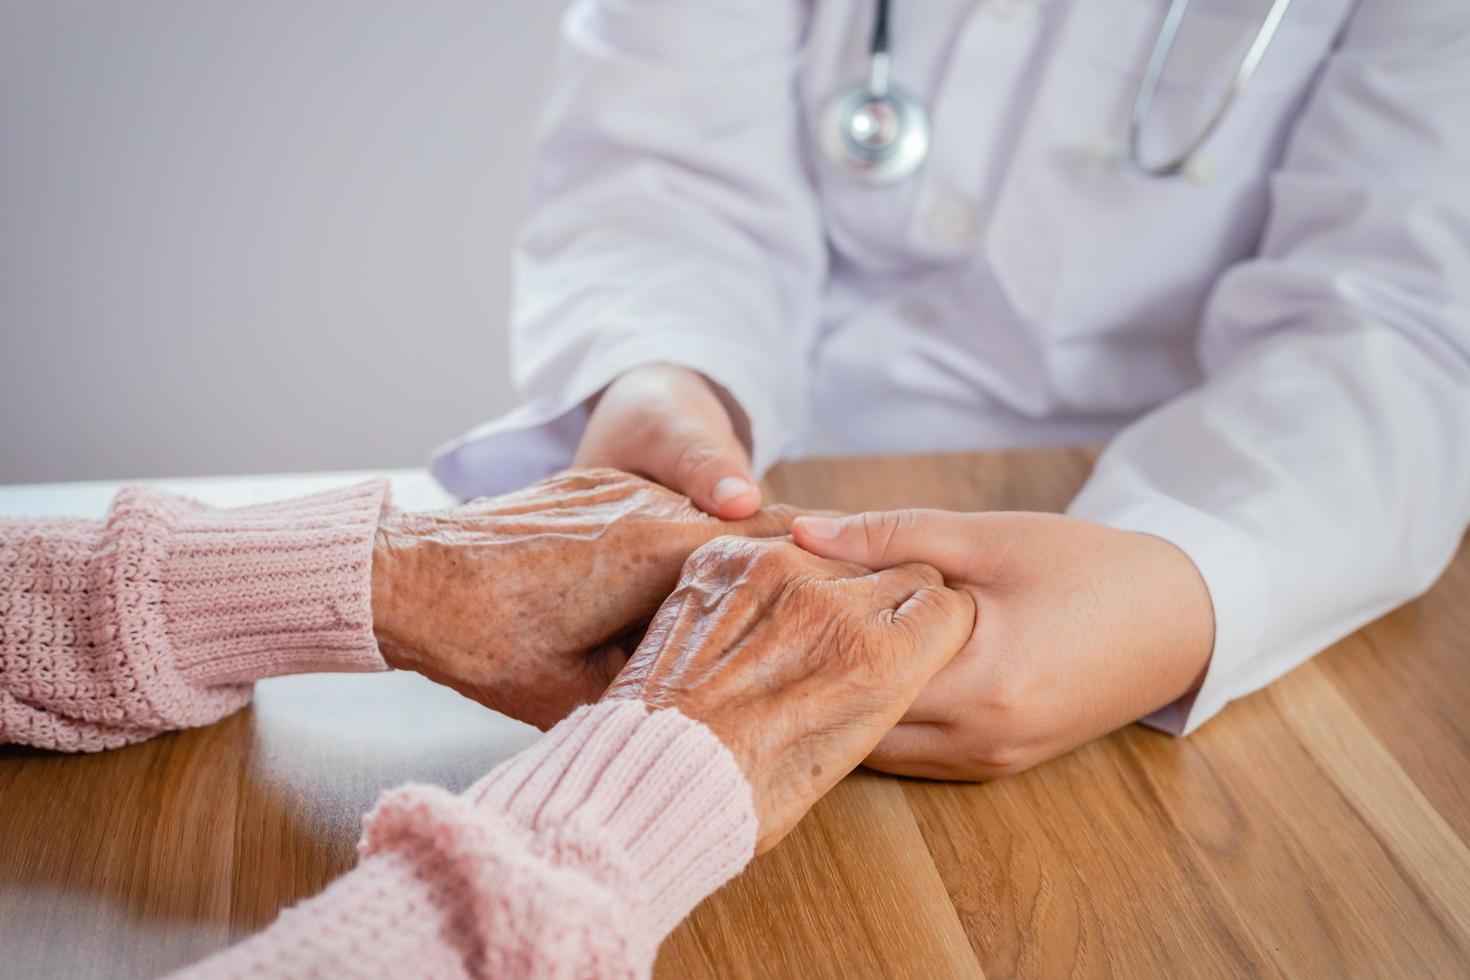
[[1148, 87], [907, 151]]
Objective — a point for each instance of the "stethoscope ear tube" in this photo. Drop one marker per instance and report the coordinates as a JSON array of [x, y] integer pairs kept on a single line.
[[1148, 87], [877, 132]]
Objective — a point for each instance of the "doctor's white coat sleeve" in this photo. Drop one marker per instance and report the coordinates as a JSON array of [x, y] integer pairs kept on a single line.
[[1321, 475], [672, 220]]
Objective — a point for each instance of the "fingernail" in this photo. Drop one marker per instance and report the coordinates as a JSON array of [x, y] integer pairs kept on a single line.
[[820, 527], [729, 488]]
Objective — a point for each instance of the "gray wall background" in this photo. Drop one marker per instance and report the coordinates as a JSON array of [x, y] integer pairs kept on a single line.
[[259, 235]]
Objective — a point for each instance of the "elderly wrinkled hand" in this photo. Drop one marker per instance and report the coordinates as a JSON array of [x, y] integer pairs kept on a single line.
[[799, 664], [518, 601]]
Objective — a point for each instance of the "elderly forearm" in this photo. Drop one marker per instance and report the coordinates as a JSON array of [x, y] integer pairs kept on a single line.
[[161, 616], [575, 858]]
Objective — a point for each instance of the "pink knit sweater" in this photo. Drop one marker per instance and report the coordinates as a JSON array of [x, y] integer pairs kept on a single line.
[[574, 858]]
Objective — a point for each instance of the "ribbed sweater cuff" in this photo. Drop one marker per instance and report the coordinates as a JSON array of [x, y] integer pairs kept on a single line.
[[616, 823], [279, 588], [657, 786]]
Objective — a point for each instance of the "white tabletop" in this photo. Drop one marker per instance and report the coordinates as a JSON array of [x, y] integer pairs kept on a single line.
[[412, 490]]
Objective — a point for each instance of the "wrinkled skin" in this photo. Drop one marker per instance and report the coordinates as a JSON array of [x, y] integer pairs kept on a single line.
[[520, 601], [799, 664]]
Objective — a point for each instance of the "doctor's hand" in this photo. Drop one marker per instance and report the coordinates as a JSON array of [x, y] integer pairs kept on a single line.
[[674, 426], [520, 601], [798, 664], [1080, 629]]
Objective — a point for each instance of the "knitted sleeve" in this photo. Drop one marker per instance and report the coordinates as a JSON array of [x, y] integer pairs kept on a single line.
[[573, 859], [160, 616]]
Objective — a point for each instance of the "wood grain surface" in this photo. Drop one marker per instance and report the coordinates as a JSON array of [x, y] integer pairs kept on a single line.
[[1318, 828]]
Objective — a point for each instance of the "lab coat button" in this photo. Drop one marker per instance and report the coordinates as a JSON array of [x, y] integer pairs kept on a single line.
[[919, 314]]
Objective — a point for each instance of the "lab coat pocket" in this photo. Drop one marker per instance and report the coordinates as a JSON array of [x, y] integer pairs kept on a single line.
[[1085, 245]]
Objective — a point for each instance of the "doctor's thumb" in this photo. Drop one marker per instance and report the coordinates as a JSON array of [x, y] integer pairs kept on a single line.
[[713, 473], [881, 539]]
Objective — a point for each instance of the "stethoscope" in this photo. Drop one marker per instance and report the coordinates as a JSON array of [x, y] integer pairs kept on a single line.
[[878, 132]]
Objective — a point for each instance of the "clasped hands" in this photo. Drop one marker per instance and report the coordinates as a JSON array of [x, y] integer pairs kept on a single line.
[[529, 603], [1081, 628], [927, 643]]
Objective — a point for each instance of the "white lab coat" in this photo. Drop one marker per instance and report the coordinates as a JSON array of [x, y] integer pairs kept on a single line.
[[1277, 345]]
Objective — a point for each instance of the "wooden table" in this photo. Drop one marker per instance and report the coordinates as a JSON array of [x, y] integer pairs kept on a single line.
[[1317, 828]]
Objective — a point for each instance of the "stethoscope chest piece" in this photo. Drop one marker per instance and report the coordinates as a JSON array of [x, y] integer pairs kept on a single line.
[[880, 135]]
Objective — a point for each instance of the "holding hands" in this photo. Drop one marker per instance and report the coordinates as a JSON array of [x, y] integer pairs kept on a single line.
[[519, 601], [1081, 628], [797, 657], [799, 664]]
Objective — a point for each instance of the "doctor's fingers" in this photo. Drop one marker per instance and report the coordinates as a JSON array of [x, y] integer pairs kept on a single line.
[[964, 547], [670, 424], [972, 548], [692, 449], [705, 462], [921, 749], [771, 521], [928, 750]]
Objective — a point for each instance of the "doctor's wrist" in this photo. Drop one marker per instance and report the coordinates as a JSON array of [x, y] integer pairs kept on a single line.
[[1185, 613]]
